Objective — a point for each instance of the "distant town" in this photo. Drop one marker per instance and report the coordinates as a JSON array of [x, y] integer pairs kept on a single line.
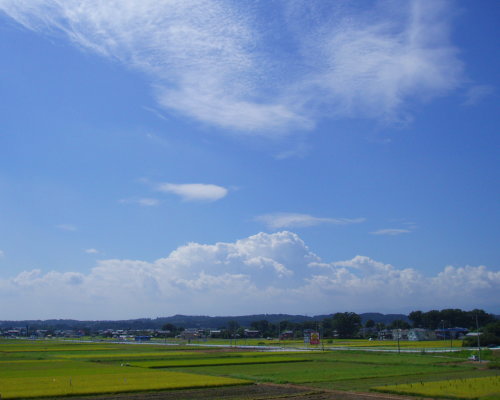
[[448, 324]]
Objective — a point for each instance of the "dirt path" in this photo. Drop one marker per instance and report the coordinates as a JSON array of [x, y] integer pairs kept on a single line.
[[263, 391], [344, 395]]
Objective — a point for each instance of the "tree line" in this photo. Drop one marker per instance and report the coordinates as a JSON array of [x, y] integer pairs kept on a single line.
[[349, 324], [449, 318]]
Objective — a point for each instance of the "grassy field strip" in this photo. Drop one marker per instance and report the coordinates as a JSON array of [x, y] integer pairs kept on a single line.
[[342, 342], [393, 343], [28, 349], [319, 371], [50, 368], [122, 356], [215, 362], [353, 343], [366, 384], [12, 388], [117, 356], [471, 388], [382, 358]]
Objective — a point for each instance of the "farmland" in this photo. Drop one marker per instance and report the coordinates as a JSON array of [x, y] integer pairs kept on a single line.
[[50, 368], [458, 388]]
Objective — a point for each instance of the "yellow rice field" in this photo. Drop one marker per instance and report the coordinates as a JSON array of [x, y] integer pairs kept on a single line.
[[471, 388]]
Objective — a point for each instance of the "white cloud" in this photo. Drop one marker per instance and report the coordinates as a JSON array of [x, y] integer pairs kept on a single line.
[[144, 201], [2, 253], [66, 227], [477, 93], [391, 231], [294, 220], [194, 191], [373, 64], [218, 62], [264, 273], [92, 251]]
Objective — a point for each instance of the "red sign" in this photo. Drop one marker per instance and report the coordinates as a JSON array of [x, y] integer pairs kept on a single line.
[[314, 338]]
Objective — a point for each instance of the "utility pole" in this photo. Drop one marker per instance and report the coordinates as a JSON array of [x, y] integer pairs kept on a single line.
[[478, 340], [321, 336], [399, 337], [444, 334], [451, 340]]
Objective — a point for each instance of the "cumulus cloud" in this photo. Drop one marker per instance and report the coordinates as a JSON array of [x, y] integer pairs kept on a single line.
[[294, 220], [194, 191], [222, 63], [263, 273]]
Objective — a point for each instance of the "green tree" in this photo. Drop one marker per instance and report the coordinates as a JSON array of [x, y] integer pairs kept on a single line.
[[232, 326], [346, 324], [169, 327], [380, 326], [416, 317], [399, 324], [370, 323], [490, 336]]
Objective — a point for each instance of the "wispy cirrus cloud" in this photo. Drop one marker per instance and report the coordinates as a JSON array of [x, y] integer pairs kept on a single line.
[[391, 231], [223, 63], [295, 220], [142, 201], [477, 93], [194, 191]]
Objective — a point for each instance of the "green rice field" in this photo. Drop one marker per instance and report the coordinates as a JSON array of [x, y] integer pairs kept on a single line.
[[51, 368], [212, 361]]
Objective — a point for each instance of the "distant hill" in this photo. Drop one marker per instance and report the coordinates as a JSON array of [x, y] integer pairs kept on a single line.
[[383, 318], [187, 321]]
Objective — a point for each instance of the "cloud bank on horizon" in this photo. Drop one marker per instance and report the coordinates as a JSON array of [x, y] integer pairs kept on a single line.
[[263, 273], [216, 60]]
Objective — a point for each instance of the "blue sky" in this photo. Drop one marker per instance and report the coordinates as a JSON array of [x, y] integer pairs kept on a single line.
[[226, 157]]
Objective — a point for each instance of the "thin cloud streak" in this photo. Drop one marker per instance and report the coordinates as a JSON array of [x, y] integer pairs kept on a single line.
[[92, 251], [391, 231], [211, 60], [293, 220], [144, 201], [194, 191], [477, 93]]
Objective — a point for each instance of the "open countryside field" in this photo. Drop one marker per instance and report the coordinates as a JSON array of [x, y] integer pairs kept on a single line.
[[58, 368], [212, 361], [334, 343], [458, 388]]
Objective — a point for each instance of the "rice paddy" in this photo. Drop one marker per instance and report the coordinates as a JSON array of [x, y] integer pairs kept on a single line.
[[457, 388], [63, 385], [31, 369], [217, 362]]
